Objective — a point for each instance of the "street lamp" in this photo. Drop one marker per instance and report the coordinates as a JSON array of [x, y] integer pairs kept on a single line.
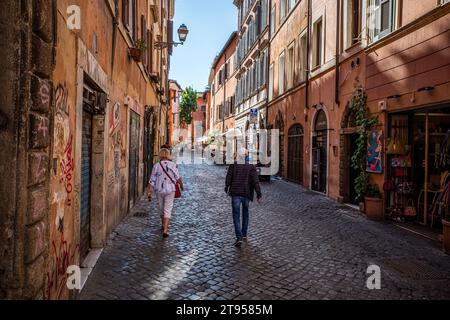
[[182, 35]]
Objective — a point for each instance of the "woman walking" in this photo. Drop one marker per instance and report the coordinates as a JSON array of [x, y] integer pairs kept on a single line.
[[163, 182]]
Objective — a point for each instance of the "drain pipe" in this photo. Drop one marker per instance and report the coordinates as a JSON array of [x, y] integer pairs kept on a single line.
[[338, 36], [269, 13], [308, 49]]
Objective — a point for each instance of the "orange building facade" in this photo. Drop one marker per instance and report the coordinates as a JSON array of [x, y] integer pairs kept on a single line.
[[97, 115], [223, 87], [397, 52]]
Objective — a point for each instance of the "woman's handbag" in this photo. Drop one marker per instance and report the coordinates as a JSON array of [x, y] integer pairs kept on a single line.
[[410, 209], [177, 184]]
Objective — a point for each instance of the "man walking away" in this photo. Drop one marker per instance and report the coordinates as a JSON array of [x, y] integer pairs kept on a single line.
[[241, 184]]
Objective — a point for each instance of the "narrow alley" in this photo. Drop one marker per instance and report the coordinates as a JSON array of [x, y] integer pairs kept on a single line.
[[301, 245]]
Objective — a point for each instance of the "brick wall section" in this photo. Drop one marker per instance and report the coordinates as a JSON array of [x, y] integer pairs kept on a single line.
[[27, 60], [42, 62]]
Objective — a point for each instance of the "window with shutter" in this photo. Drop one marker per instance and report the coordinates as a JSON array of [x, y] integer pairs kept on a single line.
[[149, 52], [318, 43], [273, 20], [302, 56], [135, 20], [381, 21], [126, 13], [271, 79], [281, 70], [290, 67], [144, 38], [282, 10]]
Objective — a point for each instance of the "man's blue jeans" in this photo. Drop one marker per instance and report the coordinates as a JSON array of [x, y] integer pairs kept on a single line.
[[237, 202]]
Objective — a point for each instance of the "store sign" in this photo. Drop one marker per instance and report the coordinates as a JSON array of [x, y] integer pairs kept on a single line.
[[254, 116]]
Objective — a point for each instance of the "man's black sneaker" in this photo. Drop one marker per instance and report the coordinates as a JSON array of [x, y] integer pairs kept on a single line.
[[244, 239], [238, 243]]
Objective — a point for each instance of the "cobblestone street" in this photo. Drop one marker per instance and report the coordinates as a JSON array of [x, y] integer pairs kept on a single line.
[[301, 245]]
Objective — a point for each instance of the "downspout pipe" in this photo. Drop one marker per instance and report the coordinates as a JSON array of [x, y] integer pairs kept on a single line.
[[160, 64], [167, 91], [338, 47], [308, 50], [269, 12]]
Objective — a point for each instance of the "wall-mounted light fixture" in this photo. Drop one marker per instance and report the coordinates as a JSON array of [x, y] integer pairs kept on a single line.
[[183, 32], [428, 89]]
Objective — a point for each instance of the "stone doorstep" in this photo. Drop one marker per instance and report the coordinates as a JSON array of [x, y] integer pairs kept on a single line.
[[88, 264]]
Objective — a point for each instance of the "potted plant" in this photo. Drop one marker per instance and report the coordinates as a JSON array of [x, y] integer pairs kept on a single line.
[[365, 123], [373, 203], [446, 233], [137, 51]]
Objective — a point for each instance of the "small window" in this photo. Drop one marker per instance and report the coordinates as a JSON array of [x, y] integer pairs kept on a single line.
[[353, 22], [273, 20], [282, 10], [291, 4], [290, 67], [281, 70], [381, 20], [318, 43], [302, 58], [271, 74]]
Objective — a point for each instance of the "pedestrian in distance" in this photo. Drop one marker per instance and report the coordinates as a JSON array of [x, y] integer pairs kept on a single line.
[[241, 183], [163, 181]]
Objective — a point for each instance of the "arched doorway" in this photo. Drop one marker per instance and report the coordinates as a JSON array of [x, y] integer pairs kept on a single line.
[[295, 154], [349, 135], [319, 153], [279, 124]]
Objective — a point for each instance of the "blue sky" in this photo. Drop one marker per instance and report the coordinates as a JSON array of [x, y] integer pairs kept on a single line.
[[210, 24]]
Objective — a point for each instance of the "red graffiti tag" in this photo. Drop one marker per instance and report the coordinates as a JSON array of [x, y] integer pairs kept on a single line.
[[57, 278], [67, 165]]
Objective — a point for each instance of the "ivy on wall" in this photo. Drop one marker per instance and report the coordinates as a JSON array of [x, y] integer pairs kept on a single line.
[[365, 123]]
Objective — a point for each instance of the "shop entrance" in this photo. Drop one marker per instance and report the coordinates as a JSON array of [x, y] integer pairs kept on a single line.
[[149, 133], [349, 136], [134, 158], [279, 124], [418, 154], [86, 174], [295, 154], [319, 153]]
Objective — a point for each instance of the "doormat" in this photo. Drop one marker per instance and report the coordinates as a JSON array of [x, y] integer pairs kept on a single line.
[[414, 269], [141, 214]]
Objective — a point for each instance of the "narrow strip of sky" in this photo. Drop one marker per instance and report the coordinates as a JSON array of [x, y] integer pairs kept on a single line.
[[210, 24]]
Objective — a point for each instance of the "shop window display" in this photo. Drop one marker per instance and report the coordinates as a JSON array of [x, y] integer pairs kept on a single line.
[[418, 176]]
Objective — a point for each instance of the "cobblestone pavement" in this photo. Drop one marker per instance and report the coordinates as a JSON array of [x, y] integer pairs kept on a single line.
[[301, 246]]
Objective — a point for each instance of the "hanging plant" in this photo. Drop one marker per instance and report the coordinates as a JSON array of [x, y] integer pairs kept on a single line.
[[365, 123]]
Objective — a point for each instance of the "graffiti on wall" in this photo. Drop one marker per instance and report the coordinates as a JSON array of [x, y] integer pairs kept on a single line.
[[63, 256], [117, 150], [63, 158], [67, 165], [44, 92], [114, 118], [62, 253]]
